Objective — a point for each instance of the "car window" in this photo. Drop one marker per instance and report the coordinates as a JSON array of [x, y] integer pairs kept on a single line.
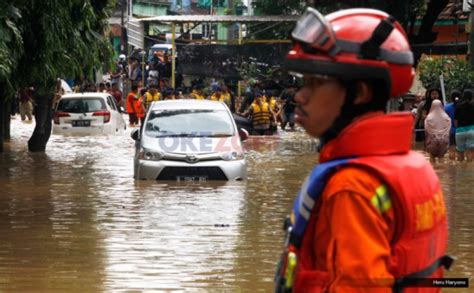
[[81, 105], [185, 122], [111, 103]]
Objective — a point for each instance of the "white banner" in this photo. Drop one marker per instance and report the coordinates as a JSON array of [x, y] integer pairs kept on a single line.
[[465, 5], [135, 34]]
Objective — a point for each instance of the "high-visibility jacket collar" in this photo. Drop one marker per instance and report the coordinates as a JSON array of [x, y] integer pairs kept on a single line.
[[373, 134]]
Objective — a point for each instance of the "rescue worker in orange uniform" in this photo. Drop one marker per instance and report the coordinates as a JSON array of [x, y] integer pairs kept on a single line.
[[371, 216], [129, 105], [139, 106]]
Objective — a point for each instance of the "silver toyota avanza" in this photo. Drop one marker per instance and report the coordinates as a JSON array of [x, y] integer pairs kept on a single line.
[[189, 140]]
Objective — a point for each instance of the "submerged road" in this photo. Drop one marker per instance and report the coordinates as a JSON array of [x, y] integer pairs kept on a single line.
[[74, 220]]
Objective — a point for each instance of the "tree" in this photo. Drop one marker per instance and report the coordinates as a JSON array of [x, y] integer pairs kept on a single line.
[[11, 48], [59, 38], [10, 44], [456, 73], [278, 30], [405, 11]]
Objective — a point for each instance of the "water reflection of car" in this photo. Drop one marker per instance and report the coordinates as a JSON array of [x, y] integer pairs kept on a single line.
[[189, 140], [87, 114]]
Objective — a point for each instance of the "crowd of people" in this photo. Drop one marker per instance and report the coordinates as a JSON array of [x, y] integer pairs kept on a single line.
[[443, 128], [132, 79], [263, 109], [446, 128]]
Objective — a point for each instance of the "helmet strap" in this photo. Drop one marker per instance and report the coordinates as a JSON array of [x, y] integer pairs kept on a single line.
[[349, 111], [345, 118], [370, 49]]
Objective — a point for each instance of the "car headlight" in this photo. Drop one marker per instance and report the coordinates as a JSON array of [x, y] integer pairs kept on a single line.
[[232, 156], [149, 155]]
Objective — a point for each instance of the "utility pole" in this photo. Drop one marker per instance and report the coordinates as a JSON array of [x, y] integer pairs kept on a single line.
[[173, 55], [122, 25]]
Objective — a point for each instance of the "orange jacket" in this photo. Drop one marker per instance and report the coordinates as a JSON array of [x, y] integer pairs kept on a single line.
[[138, 106], [355, 241], [129, 102]]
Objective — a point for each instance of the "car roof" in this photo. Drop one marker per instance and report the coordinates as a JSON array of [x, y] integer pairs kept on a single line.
[[188, 104], [85, 95], [155, 46]]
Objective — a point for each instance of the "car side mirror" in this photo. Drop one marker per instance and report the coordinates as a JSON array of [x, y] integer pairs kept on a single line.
[[244, 134], [135, 134]]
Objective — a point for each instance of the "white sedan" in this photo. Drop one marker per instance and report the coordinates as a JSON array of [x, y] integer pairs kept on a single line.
[[88, 114]]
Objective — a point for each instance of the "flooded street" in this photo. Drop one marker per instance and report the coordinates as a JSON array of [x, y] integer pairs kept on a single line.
[[73, 219]]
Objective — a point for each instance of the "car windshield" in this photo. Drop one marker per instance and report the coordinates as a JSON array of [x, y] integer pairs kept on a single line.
[[80, 105], [152, 51], [189, 123]]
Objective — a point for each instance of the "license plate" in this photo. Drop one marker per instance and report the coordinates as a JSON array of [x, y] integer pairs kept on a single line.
[[191, 178], [81, 123]]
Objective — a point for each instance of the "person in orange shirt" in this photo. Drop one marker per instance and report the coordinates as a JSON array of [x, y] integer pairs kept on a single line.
[[139, 106], [130, 107], [370, 217]]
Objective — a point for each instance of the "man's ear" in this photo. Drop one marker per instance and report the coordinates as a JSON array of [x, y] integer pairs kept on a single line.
[[365, 93]]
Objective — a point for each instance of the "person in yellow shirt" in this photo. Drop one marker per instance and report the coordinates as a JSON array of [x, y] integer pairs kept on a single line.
[[262, 116], [152, 95], [197, 93], [228, 98], [273, 103], [217, 95], [276, 109]]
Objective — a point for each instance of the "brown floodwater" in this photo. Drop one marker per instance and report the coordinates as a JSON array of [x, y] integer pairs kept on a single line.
[[73, 219]]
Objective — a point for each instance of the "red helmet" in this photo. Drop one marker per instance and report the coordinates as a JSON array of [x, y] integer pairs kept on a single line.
[[353, 44]]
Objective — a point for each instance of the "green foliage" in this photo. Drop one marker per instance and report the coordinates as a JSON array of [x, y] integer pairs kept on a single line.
[[249, 70], [270, 31], [400, 9], [11, 45], [456, 73], [51, 39], [254, 72], [282, 7]]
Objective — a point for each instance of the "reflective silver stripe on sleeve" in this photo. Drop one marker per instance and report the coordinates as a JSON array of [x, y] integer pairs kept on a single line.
[[304, 212], [302, 209], [309, 202]]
